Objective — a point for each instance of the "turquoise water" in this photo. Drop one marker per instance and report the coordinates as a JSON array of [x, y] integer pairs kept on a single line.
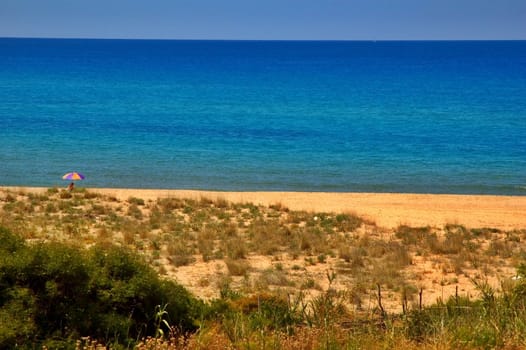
[[437, 117]]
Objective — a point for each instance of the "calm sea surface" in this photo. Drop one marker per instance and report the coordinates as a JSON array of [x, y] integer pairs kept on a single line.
[[438, 117]]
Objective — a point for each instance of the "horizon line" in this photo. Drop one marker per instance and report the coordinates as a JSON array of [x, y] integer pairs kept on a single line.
[[254, 40]]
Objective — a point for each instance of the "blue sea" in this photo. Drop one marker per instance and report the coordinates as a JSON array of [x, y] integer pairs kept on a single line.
[[343, 116]]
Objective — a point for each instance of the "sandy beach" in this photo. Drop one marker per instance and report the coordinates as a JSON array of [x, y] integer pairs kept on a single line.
[[385, 209]]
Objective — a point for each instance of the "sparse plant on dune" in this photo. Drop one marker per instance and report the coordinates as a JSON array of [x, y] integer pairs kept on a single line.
[[179, 253], [292, 248], [237, 267]]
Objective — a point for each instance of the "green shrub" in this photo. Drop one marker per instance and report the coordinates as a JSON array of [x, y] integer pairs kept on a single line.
[[9, 242], [56, 291], [52, 190], [485, 232], [136, 201], [348, 222], [134, 211], [265, 311], [412, 235]]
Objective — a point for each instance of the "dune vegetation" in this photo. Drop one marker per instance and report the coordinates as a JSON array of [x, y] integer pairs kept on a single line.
[[83, 270]]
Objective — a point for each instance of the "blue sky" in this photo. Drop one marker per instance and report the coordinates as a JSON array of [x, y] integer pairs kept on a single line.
[[265, 19]]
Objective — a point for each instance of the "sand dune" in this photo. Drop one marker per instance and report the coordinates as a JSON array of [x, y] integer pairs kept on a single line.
[[386, 209]]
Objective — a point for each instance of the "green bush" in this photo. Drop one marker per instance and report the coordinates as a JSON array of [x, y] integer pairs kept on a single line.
[[490, 322], [9, 242], [412, 235], [53, 292]]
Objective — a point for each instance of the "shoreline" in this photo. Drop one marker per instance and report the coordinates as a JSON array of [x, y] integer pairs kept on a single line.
[[387, 210]]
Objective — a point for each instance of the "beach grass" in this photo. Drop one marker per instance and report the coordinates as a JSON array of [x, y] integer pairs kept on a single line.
[[329, 263]]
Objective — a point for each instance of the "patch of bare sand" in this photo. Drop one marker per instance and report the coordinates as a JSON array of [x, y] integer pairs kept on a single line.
[[385, 209]]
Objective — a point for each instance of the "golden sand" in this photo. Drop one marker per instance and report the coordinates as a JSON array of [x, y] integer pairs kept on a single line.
[[385, 209]]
